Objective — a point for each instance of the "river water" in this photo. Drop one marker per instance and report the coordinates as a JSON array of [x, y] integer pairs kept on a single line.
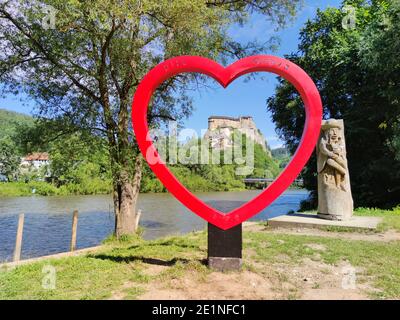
[[48, 220]]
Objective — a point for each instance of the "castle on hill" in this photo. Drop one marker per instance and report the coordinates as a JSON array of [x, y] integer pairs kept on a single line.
[[221, 128]]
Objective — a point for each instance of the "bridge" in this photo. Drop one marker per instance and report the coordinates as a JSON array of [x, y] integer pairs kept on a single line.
[[263, 182]]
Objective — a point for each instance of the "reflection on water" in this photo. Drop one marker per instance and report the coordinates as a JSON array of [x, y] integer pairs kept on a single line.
[[48, 220]]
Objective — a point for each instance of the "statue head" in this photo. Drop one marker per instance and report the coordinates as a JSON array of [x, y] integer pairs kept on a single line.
[[331, 130], [333, 134]]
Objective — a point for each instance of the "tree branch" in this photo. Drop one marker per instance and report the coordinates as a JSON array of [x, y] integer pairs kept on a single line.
[[48, 56]]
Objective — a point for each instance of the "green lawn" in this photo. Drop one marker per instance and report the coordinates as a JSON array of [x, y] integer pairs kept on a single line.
[[99, 275], [95, 276], [391, 218]]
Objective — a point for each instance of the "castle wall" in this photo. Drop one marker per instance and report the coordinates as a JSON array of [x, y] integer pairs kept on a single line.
[[245, 124], [214, 124]]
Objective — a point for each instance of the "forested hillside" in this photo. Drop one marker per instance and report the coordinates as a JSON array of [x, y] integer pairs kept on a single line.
[[10, 121], [79, 162]]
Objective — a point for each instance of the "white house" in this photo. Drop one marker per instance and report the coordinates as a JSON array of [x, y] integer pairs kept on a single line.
[[35, 160]]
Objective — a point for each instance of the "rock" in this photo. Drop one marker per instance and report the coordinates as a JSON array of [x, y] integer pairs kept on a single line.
[[221, 128], [335, 201]]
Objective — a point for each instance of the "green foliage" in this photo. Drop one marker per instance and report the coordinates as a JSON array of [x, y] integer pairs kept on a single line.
[[9, 159], [280, 153], [79, 161], [376, 212], [282, 156], [11, 121], [357, 72], [80, 165], [212, 177], [149, 182], [209, 178], [222, 178], [14, 189], [10, 148], [191, 180], [41, 188], [89, 186], [263, 161], [79, 158], [391, 218]]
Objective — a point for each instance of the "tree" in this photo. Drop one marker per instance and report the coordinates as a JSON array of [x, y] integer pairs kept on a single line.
[[381, 58], [357, 73], [10, 121], [85, 64], [9, 159], [78, 158]]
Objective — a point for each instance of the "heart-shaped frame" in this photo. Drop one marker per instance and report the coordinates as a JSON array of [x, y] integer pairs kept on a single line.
[[260, 63]]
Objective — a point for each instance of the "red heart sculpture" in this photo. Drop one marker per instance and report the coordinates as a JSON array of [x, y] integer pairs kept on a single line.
[[225, 76]]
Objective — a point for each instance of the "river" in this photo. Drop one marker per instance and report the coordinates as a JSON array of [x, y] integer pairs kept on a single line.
[[47, 228]]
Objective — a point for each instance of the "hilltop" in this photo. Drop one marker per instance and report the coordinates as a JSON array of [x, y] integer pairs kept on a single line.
[[10, 120]]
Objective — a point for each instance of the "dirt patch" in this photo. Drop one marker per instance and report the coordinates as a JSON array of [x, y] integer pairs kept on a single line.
[[154, 269], [311, 280], [217, 285], [388, 236], [316, 246], [315, 280], [120, 294], [254, 226]]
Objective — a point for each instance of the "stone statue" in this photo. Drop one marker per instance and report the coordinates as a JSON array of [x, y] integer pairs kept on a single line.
[[335, 201]]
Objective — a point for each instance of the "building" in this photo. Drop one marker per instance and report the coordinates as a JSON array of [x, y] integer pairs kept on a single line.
[[35, 160], [220, 129]]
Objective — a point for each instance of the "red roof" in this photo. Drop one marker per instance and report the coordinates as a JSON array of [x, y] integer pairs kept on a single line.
[[37, 156]]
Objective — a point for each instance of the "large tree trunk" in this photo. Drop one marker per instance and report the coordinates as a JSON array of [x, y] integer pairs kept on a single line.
[[126, 192]]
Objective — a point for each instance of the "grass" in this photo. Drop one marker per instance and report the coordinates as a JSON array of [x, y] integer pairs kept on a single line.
[[391, 218], [380, 260], [107, 272], [14, 189], [91, 186], [99, 275]]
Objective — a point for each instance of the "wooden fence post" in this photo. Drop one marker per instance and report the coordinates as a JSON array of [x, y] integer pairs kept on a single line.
[[18, 239], [137, 219], [74, 226]]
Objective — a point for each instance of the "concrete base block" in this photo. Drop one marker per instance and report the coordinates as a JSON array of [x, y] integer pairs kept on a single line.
[[225, 264], [300, 220]]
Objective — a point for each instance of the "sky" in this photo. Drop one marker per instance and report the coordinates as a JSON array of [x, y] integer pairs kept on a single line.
[[249, 98], [240, 98]]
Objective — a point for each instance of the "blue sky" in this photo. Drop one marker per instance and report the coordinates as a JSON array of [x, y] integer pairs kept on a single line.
[[240, 98], [249, 98]]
